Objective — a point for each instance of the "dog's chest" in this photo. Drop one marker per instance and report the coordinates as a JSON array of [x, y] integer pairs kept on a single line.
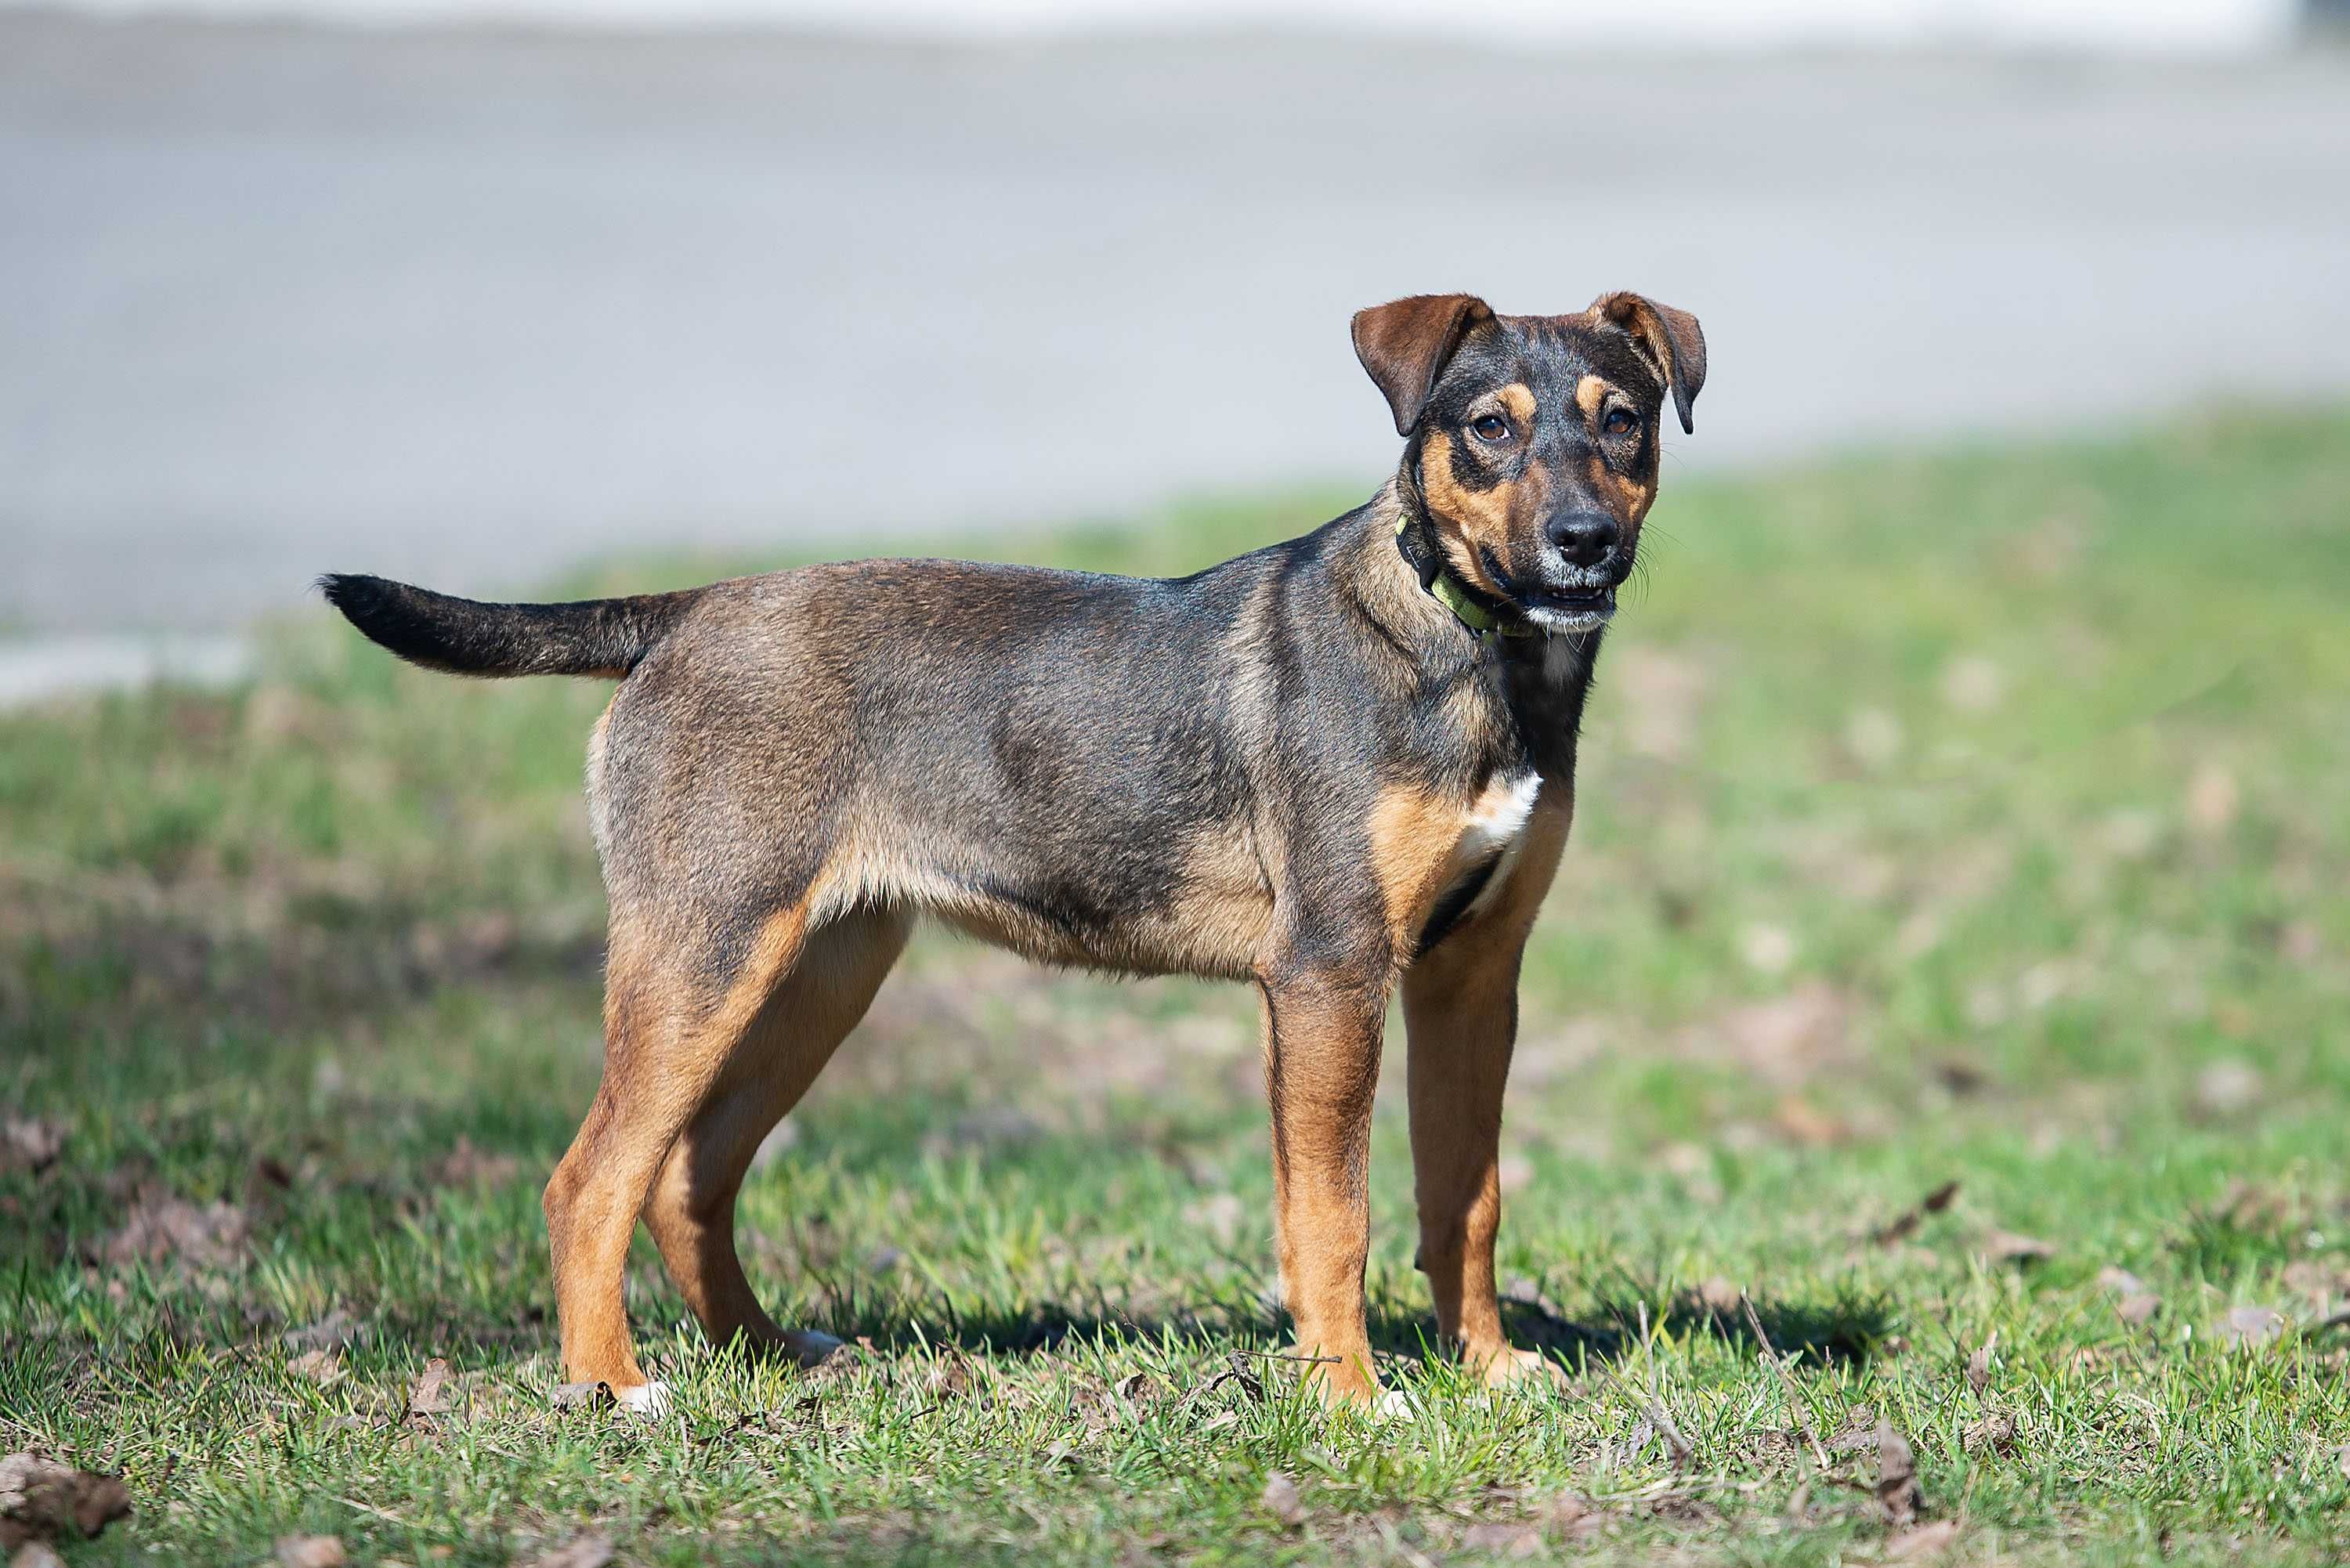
[[1491, 837], [1441, 861]]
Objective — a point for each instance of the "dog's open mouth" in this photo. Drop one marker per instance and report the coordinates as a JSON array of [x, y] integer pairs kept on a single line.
[[1568, 609]]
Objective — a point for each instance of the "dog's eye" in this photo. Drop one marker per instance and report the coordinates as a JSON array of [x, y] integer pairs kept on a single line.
[[1491, 427], [1620, 421]]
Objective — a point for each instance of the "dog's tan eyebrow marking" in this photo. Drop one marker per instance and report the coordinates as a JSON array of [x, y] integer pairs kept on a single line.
[[1589, 393], [1516, 400]]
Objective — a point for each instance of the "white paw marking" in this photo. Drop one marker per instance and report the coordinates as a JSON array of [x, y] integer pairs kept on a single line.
[[812, 1347], [651, 1402]]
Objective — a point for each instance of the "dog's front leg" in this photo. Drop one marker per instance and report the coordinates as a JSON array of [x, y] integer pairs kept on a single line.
[[1461, 1006], [1322, 1043]]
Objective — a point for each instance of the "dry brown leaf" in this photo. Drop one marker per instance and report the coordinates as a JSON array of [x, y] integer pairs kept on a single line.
[[1923, 1542], [2007, 1247], [29, 1144], [1139, 1390], [1571, 1516], [1902, 1226], [1721, 1296], [1858, 1432], [1994, 1433], [1503, 1540], [2211, 800], [41, 1499], [2320, 1282], [2249, 1327], [2227, 1087], [580, 1395], [428, 1394], [36, 1554], [465, 1166], [2136, 1304], [1280, 1500], [1899, 1228], [1785, 1040], [318, 1366], [1896, 1487], [165, 1229], [592, 1550], [330, 1331], [1979, 1364], [949, 1377], [1806, 1123], [309, 1552]]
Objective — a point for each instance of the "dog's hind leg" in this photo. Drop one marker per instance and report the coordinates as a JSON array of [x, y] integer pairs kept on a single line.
[[671, 1032], [692, 1210]]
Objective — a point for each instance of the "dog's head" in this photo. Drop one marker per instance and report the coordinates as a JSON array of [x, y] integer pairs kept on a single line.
[[1534, 439]]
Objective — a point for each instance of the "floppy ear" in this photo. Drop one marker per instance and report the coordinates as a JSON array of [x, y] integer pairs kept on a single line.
[[1669, 337], [1404, 345]]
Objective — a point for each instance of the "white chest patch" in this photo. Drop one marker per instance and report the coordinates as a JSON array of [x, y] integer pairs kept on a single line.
[[1500, 816], [1498, 822]]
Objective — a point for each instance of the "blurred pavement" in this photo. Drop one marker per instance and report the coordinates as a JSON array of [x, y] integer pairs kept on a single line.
[[468, 306]]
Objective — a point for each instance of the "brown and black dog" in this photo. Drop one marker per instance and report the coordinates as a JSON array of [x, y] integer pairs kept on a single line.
[[1329, 768]]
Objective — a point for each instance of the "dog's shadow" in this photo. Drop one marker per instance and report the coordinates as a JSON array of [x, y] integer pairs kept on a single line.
[[1846, 1329]]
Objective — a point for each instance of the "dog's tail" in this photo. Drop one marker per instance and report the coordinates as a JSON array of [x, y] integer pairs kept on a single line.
[[605, 638]]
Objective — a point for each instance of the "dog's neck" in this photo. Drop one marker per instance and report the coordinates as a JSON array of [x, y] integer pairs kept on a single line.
[[1483, 616], [1539, 679]]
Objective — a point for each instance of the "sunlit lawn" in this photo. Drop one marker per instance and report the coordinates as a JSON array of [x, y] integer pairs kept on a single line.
[[1978, 818]]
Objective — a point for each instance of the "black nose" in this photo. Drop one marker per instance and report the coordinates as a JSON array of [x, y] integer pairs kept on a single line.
[[1584, 537]]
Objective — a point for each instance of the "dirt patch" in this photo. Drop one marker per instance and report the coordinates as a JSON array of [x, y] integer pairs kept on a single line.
[[165, 1231]]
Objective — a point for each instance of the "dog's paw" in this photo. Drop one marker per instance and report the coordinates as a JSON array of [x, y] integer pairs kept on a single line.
[[1393, 1405], [646, 1401], [1523, 1369], [812, 1349]]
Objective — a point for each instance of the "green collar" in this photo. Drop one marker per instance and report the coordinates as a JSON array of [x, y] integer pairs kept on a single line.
[[1451, 591]]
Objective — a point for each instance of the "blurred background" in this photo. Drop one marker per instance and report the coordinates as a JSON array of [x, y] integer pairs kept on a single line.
[[468, 292]]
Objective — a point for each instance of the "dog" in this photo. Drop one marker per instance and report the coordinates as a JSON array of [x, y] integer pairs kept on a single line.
[[1335, 768]]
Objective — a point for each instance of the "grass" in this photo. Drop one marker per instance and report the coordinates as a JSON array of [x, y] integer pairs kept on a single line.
[[1973, 817]]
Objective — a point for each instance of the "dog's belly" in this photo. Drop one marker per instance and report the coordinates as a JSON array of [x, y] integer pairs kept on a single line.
[[1209, 923], [1192, 902]]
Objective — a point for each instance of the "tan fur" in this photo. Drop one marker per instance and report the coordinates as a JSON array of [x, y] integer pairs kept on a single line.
[[1419, 844], [1633, 497], [1321, 1066], [665, 1049], [1517, 400], [691, 1211], [1470, 523], [1460, 1005]]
